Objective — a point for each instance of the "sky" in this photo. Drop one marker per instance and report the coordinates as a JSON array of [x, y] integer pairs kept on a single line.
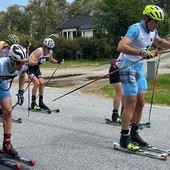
[[4, 4]]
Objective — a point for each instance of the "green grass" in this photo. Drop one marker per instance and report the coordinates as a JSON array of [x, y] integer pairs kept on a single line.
[[161, 94], [79, 63]]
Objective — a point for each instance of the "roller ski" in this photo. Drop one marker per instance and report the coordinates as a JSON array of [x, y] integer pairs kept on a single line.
[[15, 120], [144, 125], [36, 108], [136, 139], [44, 108], [110, 122], [155, 149], [163, 156], [49, 111], [9, 163], [45, 111], [116, 119], [8, 152], [141, 126], [30, 162]]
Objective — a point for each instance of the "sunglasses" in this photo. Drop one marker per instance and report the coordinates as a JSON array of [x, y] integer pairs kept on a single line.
[[20, 63]]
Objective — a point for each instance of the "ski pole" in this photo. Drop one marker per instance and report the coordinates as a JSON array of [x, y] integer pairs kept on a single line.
[[164, 52], [111, 62], [153, 90], [28, 44], [98, 79], [50, 78], [29, 94], [26, 88]]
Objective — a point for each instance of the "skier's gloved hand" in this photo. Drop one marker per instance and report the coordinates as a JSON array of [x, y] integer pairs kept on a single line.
[[147, 54], [28, 43], [61, 61], [41, 61], [5, 45], [20, 97]]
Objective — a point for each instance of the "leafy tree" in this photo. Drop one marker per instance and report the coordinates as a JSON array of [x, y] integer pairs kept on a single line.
[[116, 16], [83, 8], [165, 25], [13, 18]]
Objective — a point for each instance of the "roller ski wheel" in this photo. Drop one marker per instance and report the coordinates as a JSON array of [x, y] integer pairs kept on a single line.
[[116, 146], [18, 166], [148, 125], [49, 111], [144, 125], [57, 110], [164, 157], [141, 127], [32, 162], [20, 120]]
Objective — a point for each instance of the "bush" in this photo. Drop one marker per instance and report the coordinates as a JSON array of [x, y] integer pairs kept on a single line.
[[84, 48]]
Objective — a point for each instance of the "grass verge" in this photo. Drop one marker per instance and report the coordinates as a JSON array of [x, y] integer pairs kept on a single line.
[[161, 94]]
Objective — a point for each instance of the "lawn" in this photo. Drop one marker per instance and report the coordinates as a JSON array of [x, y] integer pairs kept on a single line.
[[161, 93]]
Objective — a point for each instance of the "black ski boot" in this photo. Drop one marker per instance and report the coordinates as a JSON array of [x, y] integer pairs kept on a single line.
[[116, 118], [125, 142], [43, 106], [8, 148], [134, 136], [34, 106]]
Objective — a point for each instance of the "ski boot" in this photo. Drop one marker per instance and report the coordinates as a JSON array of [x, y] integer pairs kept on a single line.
[[116, 118], [44, 107], [8, 148], [126, 143], [35, 107], [134, 137]]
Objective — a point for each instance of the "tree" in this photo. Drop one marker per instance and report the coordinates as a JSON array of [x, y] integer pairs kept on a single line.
[[83, 8], [13, 17], [44, 16]]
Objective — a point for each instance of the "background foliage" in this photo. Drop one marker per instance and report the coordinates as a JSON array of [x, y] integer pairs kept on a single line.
[[40, 18]]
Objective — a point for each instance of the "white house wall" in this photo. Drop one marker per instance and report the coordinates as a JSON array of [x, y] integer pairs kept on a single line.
[[87, 33], [69, 33]]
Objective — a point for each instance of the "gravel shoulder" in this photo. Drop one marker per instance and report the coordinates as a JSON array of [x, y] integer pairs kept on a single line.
[[72, 78]]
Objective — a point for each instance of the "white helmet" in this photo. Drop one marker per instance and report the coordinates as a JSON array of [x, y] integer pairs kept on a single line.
[[49, 43], [18, 53]]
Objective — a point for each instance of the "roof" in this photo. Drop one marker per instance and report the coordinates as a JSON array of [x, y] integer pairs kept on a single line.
[[84, 22]]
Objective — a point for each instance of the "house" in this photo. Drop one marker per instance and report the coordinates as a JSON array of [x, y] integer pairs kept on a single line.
[[83, 26]]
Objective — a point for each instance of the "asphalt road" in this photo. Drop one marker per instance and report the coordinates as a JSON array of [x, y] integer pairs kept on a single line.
[[77, 138]]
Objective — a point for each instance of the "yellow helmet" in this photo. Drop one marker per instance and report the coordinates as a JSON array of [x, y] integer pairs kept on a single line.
[[12, 39], [154, 12]]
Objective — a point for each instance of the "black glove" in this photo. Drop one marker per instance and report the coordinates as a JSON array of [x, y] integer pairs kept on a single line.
[[61, 61], [41, 61]]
